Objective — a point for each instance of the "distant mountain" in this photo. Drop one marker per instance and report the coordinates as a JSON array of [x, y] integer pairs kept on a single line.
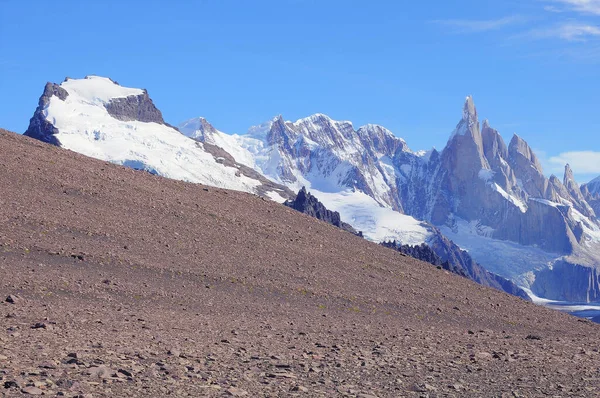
[[97, 117], [477, 194], [491, 199]]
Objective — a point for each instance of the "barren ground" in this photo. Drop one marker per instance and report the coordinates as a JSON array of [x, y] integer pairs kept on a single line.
[[128, 284]]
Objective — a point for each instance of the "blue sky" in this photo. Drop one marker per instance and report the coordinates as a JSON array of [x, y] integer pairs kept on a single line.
[[531, 65]]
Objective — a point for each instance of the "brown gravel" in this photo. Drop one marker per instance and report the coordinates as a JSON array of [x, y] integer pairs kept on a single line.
[[127, 284]]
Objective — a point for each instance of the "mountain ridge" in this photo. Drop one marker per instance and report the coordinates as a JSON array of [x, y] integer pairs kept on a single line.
[[478, 192], [476, 178]]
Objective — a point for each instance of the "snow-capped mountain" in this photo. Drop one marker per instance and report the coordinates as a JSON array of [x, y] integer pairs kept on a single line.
[[490, 198], [97, 117]]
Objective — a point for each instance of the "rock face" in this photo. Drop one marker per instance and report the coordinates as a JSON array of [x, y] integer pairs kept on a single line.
[[584, 286], [39, 127], [135, 107], [310, 205]]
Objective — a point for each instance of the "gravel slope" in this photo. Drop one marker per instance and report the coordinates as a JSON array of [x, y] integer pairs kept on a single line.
[[127, 284]]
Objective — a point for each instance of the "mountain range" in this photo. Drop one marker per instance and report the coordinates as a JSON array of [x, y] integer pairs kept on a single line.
[[477, 194]]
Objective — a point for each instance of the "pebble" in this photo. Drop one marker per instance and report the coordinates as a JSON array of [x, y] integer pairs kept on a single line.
[[236, 392], [31, 390]]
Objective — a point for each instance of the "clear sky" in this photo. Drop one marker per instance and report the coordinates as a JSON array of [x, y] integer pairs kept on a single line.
[[533, 66]]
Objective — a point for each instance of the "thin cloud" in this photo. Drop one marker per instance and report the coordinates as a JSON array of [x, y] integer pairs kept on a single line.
[[583, 6], [476, 26], [572, 31], [582, 162]]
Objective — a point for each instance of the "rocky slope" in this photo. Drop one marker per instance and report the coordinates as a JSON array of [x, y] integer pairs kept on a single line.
[[490, 198], [97, 117], [123, 283]]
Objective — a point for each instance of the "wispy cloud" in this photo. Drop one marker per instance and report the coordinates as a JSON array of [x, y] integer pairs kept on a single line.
[[571, 31], [476, 26], [582, 162], [583, 6], [553, 9]]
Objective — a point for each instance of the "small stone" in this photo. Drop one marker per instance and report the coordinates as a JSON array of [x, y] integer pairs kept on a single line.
[[101, 372], [429, 387], [11, 384], [12, 299], [31, 390], [48, 365], [300, 389], [3, 357], [125, 372], [483, 355], [40, 325], [236, 392], [174, 351], [532, 337]]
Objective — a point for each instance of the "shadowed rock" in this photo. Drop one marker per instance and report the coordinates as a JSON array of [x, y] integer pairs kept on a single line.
[[40, 128], [310, 205]]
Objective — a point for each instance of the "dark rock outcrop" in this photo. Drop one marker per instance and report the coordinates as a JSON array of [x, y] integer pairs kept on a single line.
[[40, 128], [135, 107], [444, 253], [310, 205], [421, 252]]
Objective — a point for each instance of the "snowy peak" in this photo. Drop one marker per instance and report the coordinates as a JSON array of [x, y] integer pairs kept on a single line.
[[98, 89], [197, 128], [97, 117]]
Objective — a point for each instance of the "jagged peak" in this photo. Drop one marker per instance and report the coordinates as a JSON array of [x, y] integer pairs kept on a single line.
[[379, 128], [517, 142], [486, 124], [469, 119], [469, 110], [318, 117], [198, 124], [569, 177]]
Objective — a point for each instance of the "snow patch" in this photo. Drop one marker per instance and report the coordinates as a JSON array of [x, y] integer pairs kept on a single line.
[[85, 126], [486, 174]]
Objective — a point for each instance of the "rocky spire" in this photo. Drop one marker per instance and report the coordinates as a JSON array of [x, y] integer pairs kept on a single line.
[[469, 124], [574, 191], [469, 111]]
